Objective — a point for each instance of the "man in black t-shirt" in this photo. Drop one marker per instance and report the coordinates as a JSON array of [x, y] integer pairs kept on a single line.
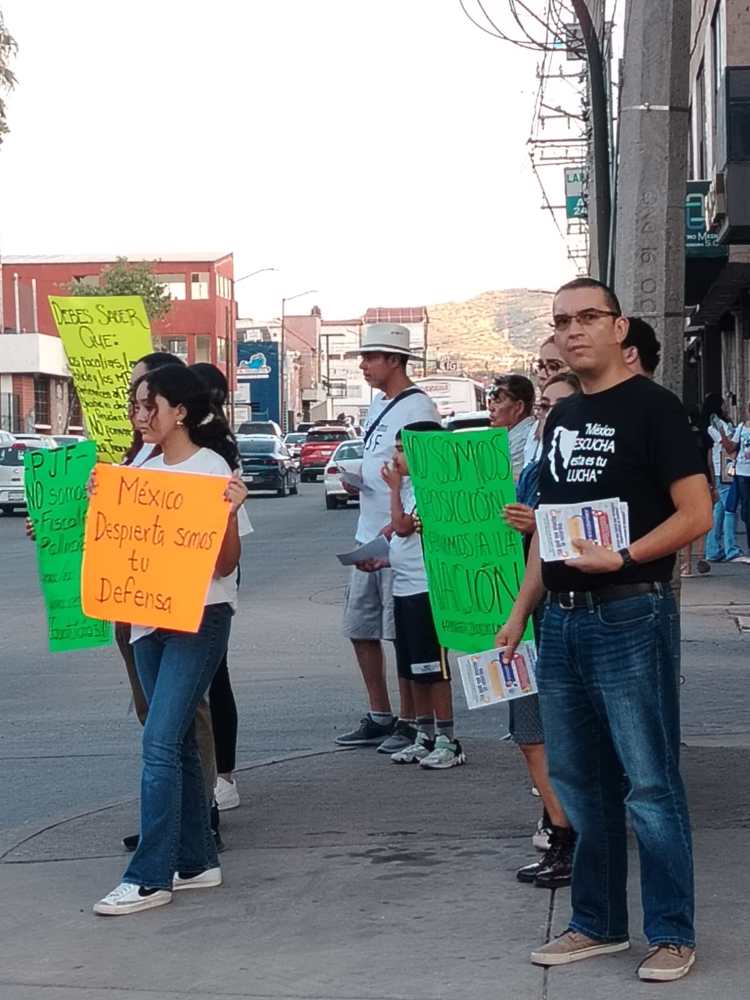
[[609, 657]]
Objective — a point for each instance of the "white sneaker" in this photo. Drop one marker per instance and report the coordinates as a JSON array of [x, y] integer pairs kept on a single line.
[[226, 794], [127, 898], [447, 753], [205, 880], [418, 750]]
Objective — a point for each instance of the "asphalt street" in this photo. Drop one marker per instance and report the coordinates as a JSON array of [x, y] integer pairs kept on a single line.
[[67, 741]]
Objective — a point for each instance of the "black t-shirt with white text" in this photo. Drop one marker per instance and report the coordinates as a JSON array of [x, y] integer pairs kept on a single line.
[[631, 442]]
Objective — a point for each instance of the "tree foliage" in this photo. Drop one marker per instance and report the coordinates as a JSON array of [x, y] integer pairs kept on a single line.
[[126, 278], [8, 49]]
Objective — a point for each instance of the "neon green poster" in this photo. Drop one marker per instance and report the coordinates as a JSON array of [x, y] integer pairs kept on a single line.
[[103, 336], [55, 482], [474, 561]]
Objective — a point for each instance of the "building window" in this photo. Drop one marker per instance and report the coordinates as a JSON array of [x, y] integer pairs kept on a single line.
[[173, 345], [691, 149], [199, 285], [221, 350], [75, 417], [701, 125], [42, 401], [174, 283], [89, 280], [718, 51], [203, 348]]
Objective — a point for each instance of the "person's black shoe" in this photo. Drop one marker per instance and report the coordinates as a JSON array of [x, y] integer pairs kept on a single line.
[[368, 733], [529, 872], [557, 872], [131, 843]]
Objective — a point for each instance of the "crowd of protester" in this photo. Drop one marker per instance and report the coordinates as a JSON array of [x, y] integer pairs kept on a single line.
[[601, 737]]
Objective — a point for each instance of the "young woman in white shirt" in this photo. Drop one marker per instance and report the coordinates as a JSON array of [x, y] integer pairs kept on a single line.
[[176, 848]]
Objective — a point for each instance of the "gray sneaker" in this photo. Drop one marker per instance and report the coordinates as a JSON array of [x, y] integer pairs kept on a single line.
[[368, 733], [574, 947], [665, 963], [403, 736]]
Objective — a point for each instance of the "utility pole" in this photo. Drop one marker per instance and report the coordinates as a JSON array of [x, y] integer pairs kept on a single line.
[[600, 181], [652, 176]]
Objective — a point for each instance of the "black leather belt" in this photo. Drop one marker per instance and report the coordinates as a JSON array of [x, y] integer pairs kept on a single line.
[[569, 599]]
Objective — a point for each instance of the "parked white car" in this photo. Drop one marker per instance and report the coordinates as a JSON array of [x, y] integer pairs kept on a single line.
[[347, 457], [12, 490], [37, 440]]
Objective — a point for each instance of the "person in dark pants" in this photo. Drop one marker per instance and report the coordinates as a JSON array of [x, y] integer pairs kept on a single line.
[[220, 695], [609, 658]]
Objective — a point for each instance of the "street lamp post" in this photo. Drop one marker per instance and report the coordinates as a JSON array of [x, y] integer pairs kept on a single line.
[[282, 355], [232, 347]]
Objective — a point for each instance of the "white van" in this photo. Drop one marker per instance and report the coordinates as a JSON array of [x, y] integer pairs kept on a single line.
[[12, 492]]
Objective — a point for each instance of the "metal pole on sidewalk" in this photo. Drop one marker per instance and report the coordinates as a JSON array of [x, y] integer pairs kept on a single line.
[[600, 141], [652, 176]]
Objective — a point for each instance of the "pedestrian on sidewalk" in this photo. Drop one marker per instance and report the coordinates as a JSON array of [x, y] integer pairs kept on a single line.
[[547, 366], [511, 405], [608, 667], [739, 446], [641, 350], [553, 835], [220, 695], [368, 610], [721, 543], [421, 660], [176, 850]]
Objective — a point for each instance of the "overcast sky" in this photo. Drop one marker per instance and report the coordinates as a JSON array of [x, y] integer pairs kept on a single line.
[[374, 151]]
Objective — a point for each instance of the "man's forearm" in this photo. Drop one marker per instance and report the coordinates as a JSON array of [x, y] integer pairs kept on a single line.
[[692, 519]]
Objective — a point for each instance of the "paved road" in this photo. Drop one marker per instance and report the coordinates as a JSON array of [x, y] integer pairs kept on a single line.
[[66, 741]]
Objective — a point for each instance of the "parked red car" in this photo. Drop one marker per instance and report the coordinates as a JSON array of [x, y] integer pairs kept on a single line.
[[320, 445]]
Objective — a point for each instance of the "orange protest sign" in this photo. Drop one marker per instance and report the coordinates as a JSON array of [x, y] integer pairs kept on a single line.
[[151, 545]]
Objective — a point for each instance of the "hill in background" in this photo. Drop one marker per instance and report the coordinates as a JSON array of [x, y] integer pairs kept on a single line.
[[492, 333]]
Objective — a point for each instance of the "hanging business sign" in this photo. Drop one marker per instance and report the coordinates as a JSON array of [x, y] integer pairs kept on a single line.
[[576, 183]]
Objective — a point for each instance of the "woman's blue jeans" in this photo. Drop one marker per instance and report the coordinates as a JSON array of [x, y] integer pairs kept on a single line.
[[608, 679], [175, 670], [721, 542]]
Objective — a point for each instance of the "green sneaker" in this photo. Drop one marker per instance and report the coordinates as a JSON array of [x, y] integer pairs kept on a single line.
[[447, 753], [415, 752]]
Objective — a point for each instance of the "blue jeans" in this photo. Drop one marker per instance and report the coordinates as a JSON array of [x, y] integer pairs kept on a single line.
[[175, 670], [720, 541], [608, 680], [743, 485]]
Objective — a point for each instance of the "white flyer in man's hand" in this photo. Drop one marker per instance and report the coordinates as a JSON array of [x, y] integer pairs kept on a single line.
[[378, 548], [604, 522], [489, 678]]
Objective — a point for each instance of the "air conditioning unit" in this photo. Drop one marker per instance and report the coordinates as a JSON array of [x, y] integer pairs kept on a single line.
[[716, 203]]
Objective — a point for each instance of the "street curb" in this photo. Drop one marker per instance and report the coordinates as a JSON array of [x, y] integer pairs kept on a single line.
[[11, 840]]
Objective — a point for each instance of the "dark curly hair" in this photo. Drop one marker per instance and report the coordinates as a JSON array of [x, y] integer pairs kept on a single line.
[[206, 427]]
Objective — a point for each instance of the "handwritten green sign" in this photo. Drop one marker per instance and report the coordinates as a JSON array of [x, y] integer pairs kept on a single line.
[[56, 496], [474, 561], [103, 336]]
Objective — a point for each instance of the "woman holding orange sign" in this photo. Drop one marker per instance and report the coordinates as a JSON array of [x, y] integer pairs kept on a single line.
[[176, 849]]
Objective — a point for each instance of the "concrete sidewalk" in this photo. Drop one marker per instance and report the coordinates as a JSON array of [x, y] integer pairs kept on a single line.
[[347, 878]]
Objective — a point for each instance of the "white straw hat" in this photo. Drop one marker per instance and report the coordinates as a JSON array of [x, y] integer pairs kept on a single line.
[[390, 338]]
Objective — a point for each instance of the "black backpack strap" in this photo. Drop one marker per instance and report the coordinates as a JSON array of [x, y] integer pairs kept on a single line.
[[396, 399]]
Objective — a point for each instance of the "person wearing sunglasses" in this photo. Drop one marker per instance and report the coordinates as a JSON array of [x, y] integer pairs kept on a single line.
[[549, 363], [609, 656], [511, 404]]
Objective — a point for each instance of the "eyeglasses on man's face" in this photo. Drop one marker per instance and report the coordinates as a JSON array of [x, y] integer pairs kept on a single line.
[[584, 318]]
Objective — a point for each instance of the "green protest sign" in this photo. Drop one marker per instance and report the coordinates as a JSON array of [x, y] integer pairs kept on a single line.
[[474, 561], [55, 482]]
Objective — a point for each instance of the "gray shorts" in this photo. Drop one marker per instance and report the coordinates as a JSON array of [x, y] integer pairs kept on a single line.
[[368, 608], [525, 720]]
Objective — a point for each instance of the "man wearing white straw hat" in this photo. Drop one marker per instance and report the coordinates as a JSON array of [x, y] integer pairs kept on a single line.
[[368, 613]]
